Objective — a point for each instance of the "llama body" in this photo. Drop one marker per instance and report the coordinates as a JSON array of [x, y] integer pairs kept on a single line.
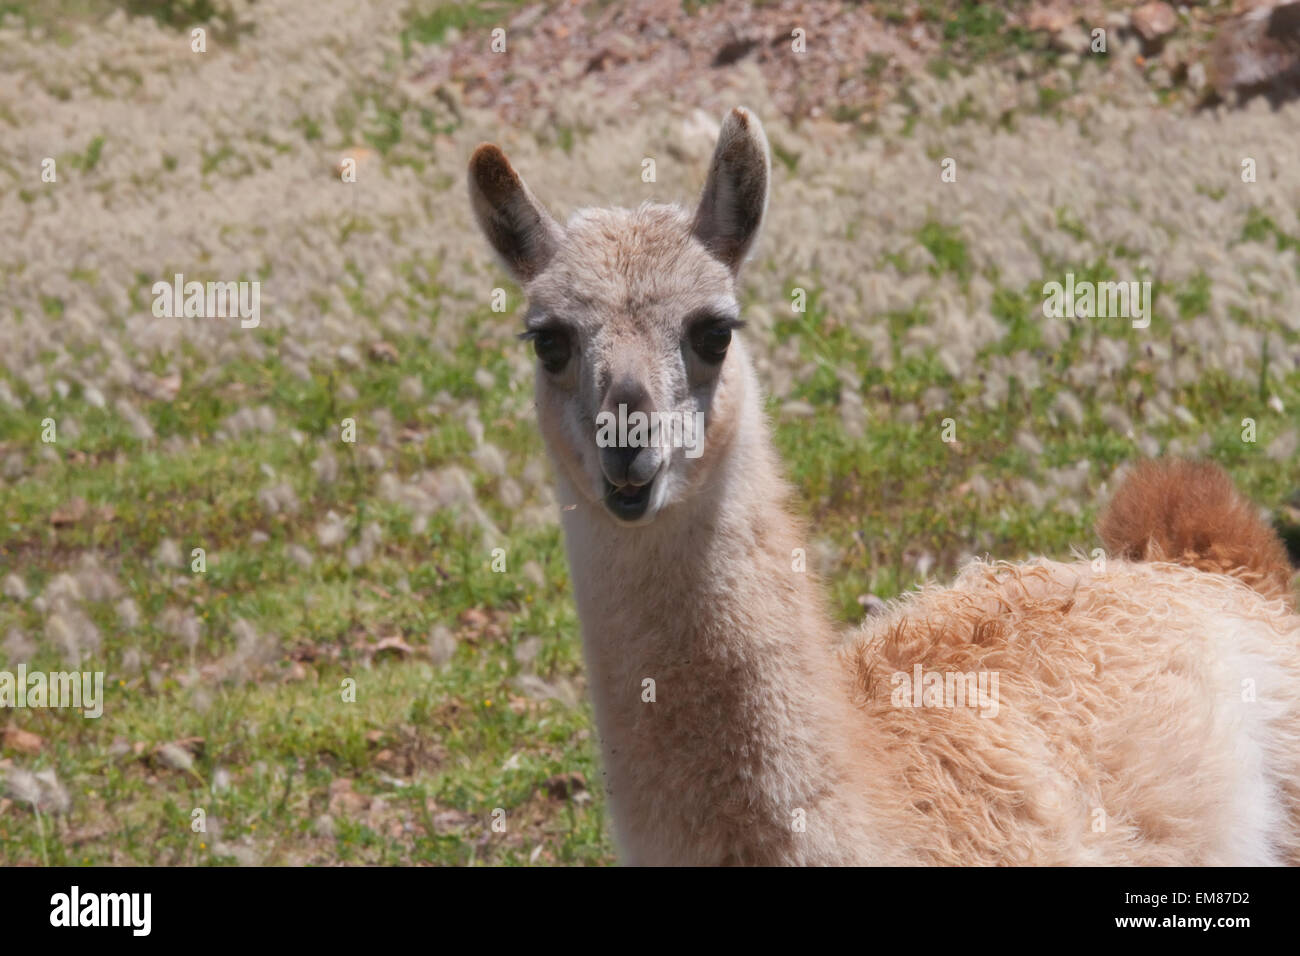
[[1146, 715], [1147, 712]]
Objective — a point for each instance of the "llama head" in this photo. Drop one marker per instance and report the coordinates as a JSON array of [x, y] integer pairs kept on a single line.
[[639, 382]]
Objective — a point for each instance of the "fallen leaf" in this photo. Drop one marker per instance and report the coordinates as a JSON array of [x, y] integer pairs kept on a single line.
[[69, 513], [474, 618], [395, 644], [449, 821], [174, 757]]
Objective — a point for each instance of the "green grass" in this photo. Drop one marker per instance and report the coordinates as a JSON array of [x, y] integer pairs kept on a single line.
[[57, 17], [428, 741], [441, 748], [864, 493], [429, 23]]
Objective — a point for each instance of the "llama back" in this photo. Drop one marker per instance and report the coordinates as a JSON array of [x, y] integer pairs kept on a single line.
[[1049, 713]]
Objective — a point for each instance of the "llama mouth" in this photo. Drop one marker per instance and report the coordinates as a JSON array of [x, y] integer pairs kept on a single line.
[[628, 502]]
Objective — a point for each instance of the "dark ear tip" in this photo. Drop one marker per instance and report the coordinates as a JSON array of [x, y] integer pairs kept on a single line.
[[741, 116], [492, 174], [487, 155]]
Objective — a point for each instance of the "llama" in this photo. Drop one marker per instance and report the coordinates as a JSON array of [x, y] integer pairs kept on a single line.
[[1147, 712]]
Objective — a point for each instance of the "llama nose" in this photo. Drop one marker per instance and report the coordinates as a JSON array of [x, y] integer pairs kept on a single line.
[[628, 460]]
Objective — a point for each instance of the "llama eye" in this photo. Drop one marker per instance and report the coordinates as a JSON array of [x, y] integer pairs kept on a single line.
[[710, 340], [552, 348]]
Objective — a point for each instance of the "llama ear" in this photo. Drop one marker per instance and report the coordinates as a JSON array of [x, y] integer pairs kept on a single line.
[[735, 194], [520, 230]]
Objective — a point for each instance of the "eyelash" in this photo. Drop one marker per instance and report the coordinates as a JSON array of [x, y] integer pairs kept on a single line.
[[528, 335], [731, 324], [555, 355]]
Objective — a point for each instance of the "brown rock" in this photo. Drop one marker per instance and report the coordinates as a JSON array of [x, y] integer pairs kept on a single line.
[[1257, 48], [1051, 19], [1153, 21], [734, 51], [563, 785], [345, 802], [22, 741], [296, 671]]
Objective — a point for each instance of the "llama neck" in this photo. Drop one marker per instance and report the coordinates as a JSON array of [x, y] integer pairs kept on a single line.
[[742, 749]]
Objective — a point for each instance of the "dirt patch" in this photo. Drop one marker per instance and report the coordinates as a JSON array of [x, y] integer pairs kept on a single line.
[[816, 58]]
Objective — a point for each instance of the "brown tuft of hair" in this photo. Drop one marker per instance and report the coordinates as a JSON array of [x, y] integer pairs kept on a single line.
[[1189, 512]]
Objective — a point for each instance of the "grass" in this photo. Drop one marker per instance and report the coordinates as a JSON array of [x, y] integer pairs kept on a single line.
[[432, 751], [281, 743], [428, 751], [57, 18], [430, 23]]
